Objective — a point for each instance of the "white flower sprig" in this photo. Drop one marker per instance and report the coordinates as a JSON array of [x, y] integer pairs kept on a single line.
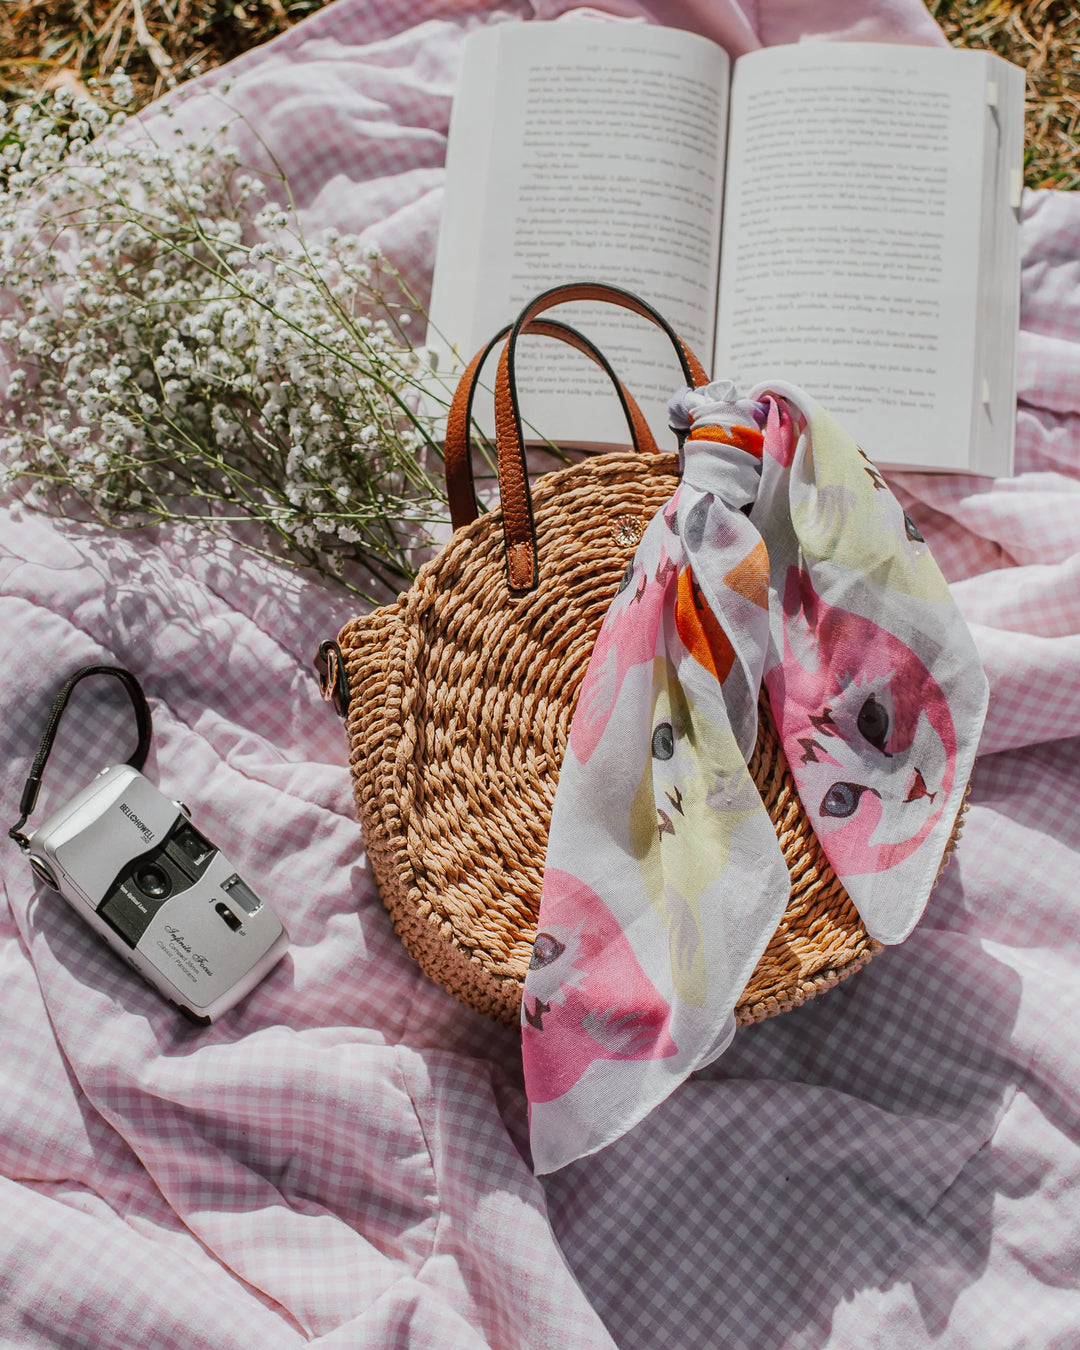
[[168, 352]]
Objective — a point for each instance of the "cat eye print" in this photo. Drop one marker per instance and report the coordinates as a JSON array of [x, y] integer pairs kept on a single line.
[[663, 741], [842, 799], [873, 724], [545, 950], [912, 530]]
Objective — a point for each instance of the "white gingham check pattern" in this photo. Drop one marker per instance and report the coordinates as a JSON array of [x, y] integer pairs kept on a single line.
[[339, 1160]]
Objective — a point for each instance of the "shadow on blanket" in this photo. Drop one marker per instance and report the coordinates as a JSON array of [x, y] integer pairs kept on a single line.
[[802, 1139]]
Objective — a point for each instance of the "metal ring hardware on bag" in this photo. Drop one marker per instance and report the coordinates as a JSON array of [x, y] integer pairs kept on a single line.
[[333, 680]]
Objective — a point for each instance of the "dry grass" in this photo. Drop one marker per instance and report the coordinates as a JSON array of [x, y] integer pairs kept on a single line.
[[158, 42], [161, 42], [1044, 39]]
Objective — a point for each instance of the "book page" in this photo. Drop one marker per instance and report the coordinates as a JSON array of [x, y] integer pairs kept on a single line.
[[850, 259], [993, 400], [584, 151]]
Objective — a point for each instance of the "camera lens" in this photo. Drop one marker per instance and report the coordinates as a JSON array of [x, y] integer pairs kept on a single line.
[[152, 881]]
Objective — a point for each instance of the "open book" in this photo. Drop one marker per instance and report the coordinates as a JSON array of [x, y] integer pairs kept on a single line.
[[843, 216]]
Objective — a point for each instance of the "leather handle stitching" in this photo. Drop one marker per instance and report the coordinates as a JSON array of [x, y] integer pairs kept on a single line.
[[519, 527], [457, 449]]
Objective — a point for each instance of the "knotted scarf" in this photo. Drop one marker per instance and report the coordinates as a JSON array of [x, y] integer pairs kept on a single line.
[[782, 558]]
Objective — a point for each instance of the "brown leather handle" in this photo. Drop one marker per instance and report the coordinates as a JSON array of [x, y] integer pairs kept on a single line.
[[457, 457], [522, 563]]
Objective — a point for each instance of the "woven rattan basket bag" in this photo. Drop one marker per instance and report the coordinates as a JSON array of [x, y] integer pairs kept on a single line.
[[458, 699]]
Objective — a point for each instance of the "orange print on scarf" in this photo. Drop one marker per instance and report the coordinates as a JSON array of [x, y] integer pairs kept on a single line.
[[744, 438], [696, 625]]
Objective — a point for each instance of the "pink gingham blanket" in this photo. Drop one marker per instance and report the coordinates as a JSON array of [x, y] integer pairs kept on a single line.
[[340, 1160]]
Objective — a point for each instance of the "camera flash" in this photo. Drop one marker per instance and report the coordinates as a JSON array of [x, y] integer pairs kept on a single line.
[[246, 898]]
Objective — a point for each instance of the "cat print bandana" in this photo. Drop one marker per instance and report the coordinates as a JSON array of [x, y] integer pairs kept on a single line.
[[782, 559]]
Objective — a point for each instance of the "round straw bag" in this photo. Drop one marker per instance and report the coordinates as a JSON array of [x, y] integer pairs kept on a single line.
[[458, 700]]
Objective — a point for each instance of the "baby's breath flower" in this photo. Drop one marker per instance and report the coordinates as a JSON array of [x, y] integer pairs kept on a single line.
[[122, 91], [163, 363]]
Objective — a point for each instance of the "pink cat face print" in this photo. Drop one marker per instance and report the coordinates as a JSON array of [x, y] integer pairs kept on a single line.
[[866, 729], [586, 996], [627, 638]]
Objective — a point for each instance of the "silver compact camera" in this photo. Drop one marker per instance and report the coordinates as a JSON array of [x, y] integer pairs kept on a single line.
[[130, 863]]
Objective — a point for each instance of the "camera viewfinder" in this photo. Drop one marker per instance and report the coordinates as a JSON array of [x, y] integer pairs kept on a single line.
[[189, 850]]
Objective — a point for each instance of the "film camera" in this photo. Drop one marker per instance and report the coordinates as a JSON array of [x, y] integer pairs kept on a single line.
[[132, 865]]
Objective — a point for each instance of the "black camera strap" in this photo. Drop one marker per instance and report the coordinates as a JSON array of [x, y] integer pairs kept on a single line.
[[137, 760]]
